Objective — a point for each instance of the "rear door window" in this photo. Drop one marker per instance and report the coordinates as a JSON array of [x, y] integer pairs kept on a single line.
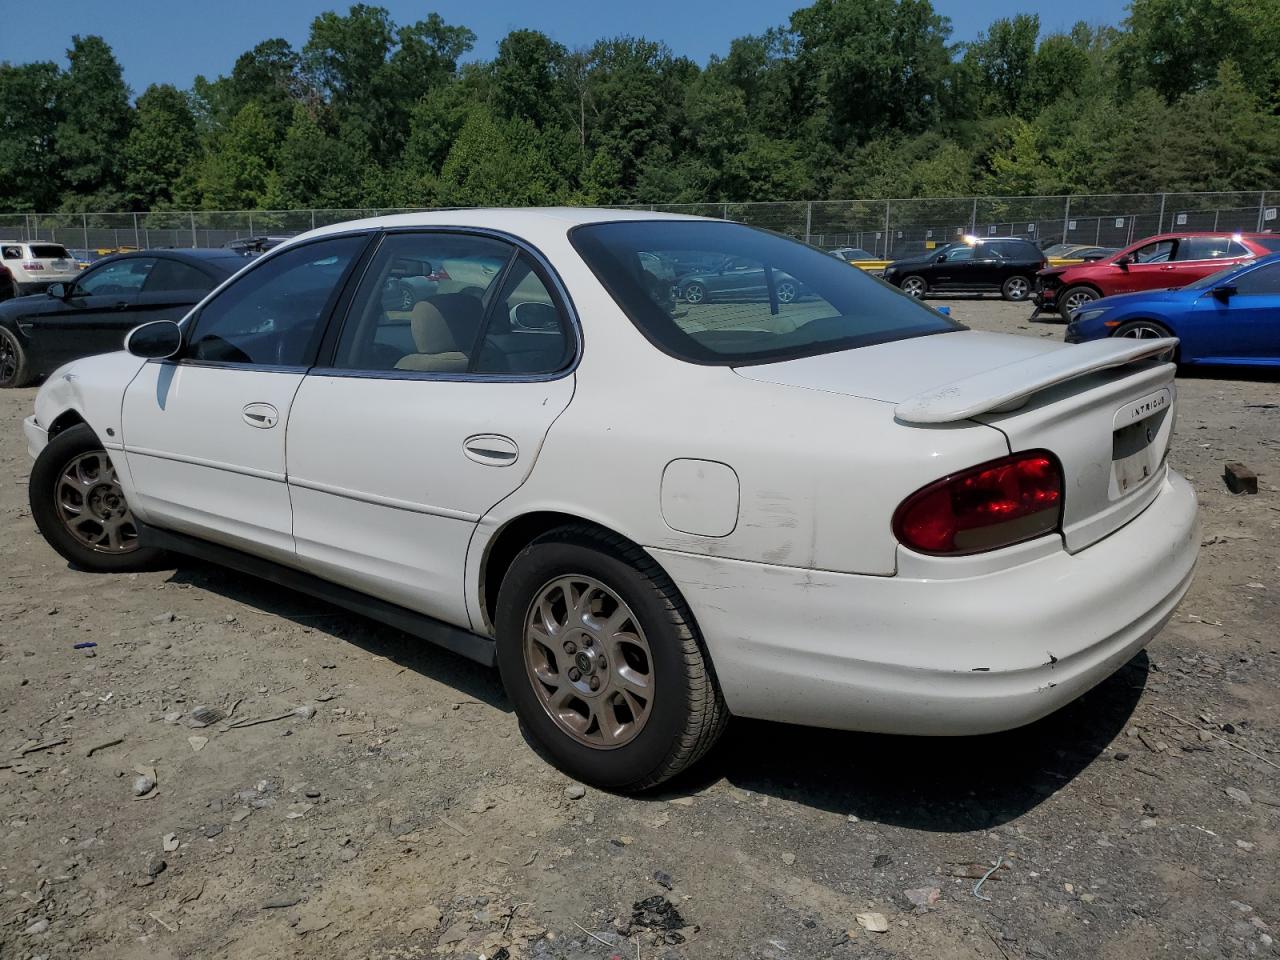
[[1204, 248]]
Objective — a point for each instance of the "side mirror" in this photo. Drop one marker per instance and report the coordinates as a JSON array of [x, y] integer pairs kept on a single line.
[[157, 340], [1224, 292], [58, 291], [940, 258], [1123, 262]]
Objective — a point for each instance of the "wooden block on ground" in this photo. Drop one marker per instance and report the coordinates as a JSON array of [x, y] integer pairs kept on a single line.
[[1240, 479]]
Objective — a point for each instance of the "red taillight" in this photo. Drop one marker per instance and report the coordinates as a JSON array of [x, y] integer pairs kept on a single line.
[[992, 505]]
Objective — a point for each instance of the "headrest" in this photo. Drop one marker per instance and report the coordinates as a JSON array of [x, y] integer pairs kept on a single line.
[[446, 323]]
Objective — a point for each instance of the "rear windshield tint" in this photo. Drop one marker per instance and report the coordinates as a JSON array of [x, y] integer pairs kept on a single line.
[[49, 251], [722, 293]]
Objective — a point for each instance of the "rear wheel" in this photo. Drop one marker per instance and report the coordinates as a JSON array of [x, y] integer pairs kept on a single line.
[[695, 293], [77, 503], [1016, 289], [603, 661], [914, 286], [13, 361], [787, 291], [1073, 298]]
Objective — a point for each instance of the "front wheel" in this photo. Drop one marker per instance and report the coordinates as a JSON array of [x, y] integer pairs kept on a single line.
[[80, 508], [1142, 330], [787, 291], [1073, 298], [14, 371], [914, 287], [695, 293], [1016, 289], [603, 661]]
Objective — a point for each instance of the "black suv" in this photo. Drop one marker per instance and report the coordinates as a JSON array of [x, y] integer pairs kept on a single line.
[[1004, 265]]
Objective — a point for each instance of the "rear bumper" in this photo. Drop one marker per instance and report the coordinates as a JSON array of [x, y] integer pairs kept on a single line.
[[940, 657], [37, 436]]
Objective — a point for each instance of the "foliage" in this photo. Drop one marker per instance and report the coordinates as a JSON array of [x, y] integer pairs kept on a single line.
[[848, 99]]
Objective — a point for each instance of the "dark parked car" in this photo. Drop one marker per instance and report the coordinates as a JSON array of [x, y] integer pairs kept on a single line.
[[852, 254], [736, 278], [92, 313], [1004, 265], [253, 246]]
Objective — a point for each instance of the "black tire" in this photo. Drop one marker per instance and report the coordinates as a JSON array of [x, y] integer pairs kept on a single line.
[[54, 460], [1148, 330], [14, 369], [1081, 293], [1017, 288], [687, 713], [915, 286], [696, 293]]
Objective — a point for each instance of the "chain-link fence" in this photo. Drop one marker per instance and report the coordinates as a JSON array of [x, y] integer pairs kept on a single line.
[[884, 228]]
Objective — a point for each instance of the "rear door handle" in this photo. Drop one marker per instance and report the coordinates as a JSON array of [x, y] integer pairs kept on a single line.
[[491, 449], [261, 415]]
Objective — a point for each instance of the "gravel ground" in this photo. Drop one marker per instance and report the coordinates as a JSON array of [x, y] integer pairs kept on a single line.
[[408, 817]]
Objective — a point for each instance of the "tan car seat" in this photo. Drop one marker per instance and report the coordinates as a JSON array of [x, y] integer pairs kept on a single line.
[[444, 330]]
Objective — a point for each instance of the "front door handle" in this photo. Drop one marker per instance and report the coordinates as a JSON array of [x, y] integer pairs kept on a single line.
[[261, 415], [491, 449]]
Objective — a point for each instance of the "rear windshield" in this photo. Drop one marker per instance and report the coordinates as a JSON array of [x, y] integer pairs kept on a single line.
[[49, 251], [722, 293]]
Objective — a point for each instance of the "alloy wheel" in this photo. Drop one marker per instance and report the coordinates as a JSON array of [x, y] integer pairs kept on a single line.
[[1143, 331], [694, 293], [913, 287], [786, 291], [1017, 288], [1075, 302], [91, 504], [8, 359], [589, 662]]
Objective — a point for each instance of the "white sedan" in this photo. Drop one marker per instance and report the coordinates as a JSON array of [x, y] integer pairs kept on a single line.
[[841, 509]]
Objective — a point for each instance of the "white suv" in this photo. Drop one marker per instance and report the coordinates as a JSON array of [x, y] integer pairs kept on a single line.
[[33, 266]]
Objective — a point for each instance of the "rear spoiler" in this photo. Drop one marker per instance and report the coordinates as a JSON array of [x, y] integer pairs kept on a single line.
[[1010, 386]]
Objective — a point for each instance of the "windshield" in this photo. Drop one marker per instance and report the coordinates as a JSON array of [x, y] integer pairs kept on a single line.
[[742, 296]]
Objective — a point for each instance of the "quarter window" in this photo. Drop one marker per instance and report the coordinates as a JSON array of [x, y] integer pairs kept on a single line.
[[526, 332], [170, 275], [273, 314], [119, 278]]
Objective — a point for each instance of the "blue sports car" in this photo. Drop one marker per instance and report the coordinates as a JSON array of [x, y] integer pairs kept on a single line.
[[1230, 317]]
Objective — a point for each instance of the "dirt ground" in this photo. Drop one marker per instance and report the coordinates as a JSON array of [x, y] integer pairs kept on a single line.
[[409, 818]]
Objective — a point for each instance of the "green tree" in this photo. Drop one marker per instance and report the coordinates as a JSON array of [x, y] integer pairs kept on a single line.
[[94, 117], [1176, 46], [29, 176], [239, 162], [267, 74], [1229, 140], [528, 78], [1002, 62], [870, 66], [161, 146], [497, 161], [313, 168]]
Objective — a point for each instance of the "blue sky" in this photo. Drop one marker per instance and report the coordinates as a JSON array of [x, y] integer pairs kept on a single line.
[[171, 42]]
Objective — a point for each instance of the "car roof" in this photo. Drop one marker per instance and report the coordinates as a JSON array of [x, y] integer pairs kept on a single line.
[[527, 222], [190, 255]]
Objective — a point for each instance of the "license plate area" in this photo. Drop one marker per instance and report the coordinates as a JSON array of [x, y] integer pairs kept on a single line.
[[1140, 442]]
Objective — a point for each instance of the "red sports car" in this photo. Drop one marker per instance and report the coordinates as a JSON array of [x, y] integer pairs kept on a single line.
[[1159, 262]]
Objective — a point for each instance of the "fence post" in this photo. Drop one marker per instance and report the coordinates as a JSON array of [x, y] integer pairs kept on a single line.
[[313, 219], [136, 241], [973, 217], [886, 229], [251, 223], [808, 220], [1262, 210], [1160, 225], [193, 229], [84, 227], [1066, 219]]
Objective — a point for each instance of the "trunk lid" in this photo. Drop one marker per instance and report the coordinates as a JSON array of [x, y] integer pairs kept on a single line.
[[1107, 412]]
